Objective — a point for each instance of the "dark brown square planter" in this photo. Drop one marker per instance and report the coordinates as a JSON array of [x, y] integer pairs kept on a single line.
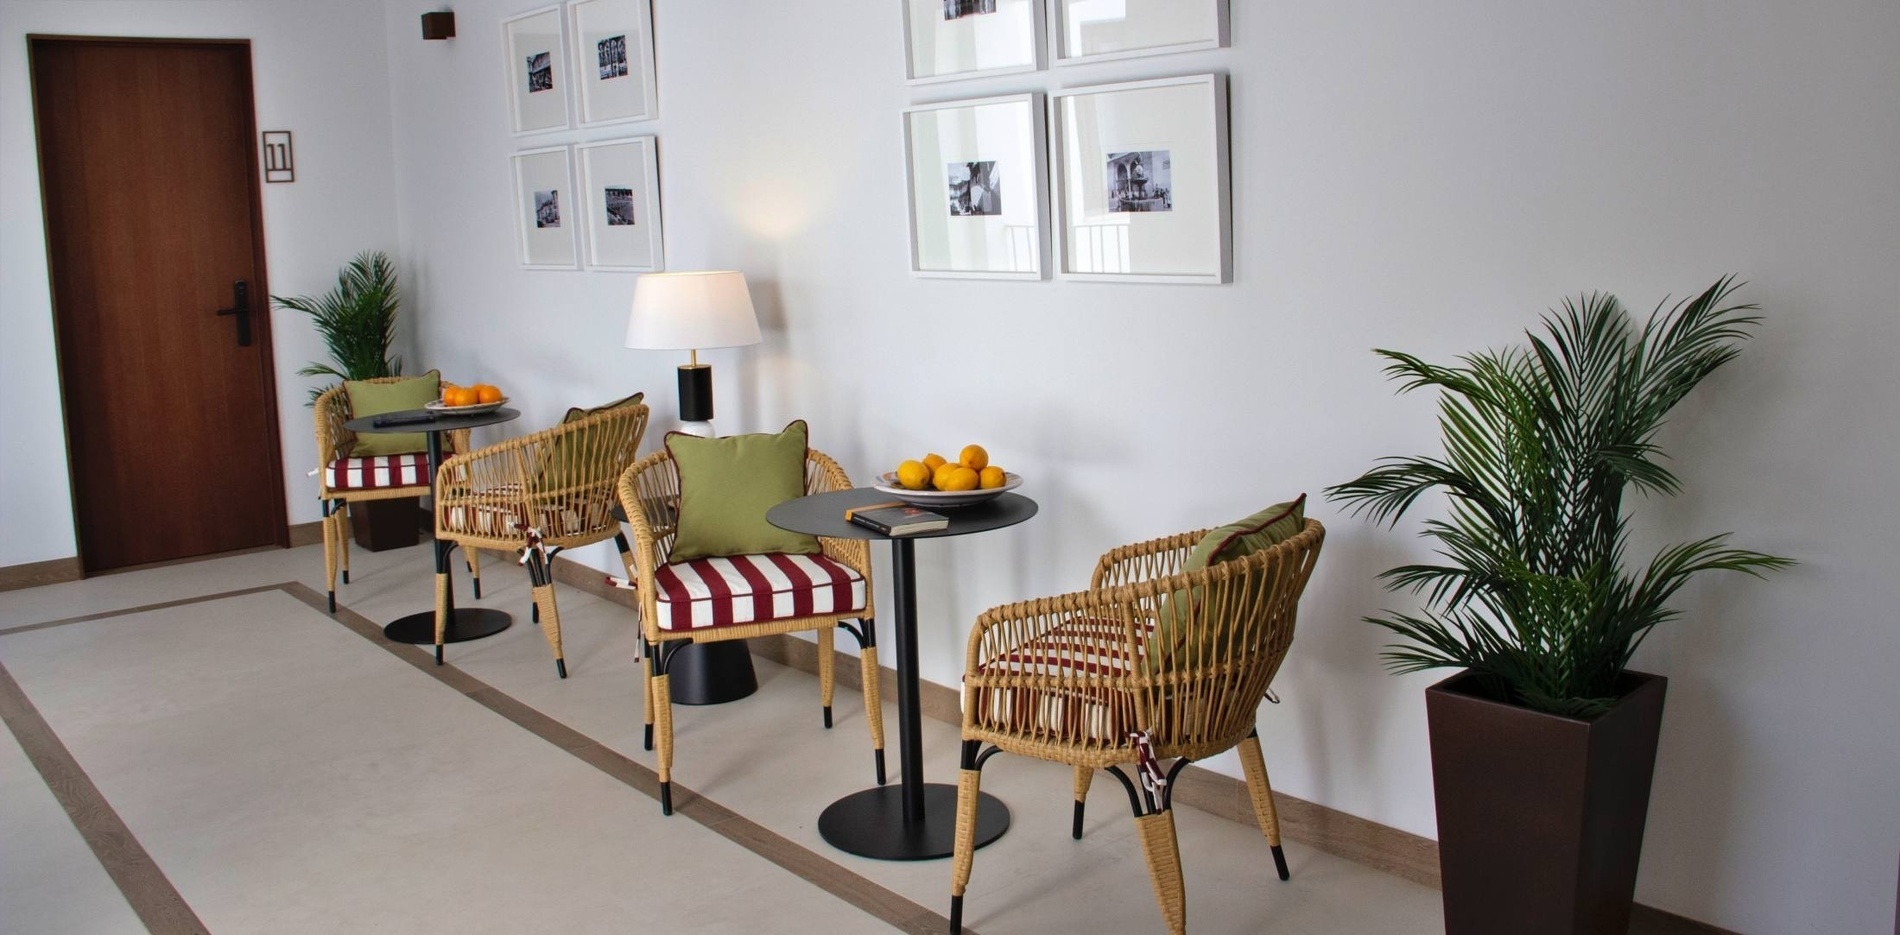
[[1540, 817], [386, 524]]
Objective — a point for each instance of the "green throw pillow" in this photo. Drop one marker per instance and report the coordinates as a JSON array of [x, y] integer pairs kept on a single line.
[[1263, 530], [554, 470], [727, 484], [374, 399]]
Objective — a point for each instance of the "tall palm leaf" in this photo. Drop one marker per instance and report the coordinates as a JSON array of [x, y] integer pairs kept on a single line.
[[357, 319], [1540, 443]]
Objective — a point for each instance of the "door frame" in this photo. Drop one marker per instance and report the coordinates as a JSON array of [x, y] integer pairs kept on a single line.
[[260, 318]]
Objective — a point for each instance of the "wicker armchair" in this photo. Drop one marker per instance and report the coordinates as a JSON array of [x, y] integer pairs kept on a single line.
[[343, 479], [675, 610], [1073, 679], [535, 496]]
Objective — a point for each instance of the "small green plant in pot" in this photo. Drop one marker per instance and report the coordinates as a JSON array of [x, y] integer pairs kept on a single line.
[[1544, 746], [357, 319]]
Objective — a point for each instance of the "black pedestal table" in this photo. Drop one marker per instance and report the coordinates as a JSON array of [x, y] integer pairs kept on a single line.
[[914, 820], [465, 623]]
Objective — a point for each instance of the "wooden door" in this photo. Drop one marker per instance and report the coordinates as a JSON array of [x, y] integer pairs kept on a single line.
[[149, 174]]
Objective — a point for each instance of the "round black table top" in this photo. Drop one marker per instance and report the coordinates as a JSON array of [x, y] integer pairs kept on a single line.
[[823, 515], [438, 421]]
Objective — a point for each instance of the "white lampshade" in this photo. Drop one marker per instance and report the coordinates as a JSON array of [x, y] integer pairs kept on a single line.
[[688, 311]]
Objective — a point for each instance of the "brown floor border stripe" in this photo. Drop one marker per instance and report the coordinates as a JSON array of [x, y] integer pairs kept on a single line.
[[857, 890], [141, 609], [145, 887]]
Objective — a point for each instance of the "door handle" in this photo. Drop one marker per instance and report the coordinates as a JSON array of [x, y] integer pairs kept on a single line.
[[241, 307]]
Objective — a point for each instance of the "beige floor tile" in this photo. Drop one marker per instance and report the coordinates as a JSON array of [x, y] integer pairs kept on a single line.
[[49, 881]]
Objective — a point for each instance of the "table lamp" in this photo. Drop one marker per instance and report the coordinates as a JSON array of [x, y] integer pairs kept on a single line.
[[686, 312]]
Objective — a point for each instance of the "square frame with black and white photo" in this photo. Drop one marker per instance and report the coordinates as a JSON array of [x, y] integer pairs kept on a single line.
[[613, 60], [945, 40], [544, 209], [1142, 186], [620, 207], [534, 62], [977, 188]]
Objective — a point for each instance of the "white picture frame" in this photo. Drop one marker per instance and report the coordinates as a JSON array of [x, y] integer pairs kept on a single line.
[[612, 56], [534, 64], [948, 40], [1141, 181], [620, 204], [545, 219], [1084, 31], [977, 188]]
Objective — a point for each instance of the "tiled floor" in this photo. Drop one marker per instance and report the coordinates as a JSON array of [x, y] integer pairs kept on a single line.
[[286, 774]]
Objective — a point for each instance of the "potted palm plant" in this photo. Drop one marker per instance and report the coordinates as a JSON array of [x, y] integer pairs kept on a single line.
[[357, 321], [1543, 747]]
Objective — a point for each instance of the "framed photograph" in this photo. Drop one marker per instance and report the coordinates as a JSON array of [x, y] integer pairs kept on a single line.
[[613, 60], [535, 62], [977, 194], [1141, 181], [620, 199], [545, 217], [949, 39], [1097, 31]]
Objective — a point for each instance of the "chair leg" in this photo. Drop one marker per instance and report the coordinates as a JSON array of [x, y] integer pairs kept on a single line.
[[343, 537], [827, 668], [646, 691], [474, 561], [873, 700], [550, 619], [329, 552], [663, 719], [1163, 850], [1261, 792], [441, 612], [963, 853], [1083, 776]]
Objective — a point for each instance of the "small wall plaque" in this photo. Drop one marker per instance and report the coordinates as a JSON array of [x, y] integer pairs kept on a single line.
[[278, 165]]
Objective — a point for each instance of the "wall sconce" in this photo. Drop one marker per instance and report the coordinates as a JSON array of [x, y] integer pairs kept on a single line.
[[438, 25]]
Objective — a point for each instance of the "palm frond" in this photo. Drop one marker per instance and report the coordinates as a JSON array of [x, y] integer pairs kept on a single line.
[[1541, 442], [356, 319]]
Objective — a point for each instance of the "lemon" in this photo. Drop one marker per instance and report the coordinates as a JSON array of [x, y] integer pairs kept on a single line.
[[934, 460], [991, 477], [974, 457], [912, 475], [942, 474], [960, 478]]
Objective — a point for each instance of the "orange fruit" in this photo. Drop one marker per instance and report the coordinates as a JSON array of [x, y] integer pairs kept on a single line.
[[960, 478], [934, 460], [458, 396], [913, 475], [941, 475], [974, 457], [991, 478], [487, 394]]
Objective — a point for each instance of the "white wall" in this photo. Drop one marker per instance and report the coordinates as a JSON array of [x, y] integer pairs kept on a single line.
[[1426, 177], [319, 71]]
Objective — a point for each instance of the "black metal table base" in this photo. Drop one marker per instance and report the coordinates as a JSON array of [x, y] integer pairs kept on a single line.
[[711, 673], [465, 623], [871, 823]]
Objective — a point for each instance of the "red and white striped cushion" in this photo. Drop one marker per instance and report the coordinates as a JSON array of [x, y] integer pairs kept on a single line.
[[744, 589], [1084, 646], [382, 471]]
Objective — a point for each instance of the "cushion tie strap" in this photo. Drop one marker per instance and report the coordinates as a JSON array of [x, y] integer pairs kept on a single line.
[[1146, 764]]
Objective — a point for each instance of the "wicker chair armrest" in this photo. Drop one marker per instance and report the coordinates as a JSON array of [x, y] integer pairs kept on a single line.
[[643, 491], [497, 471], [332, 410], [1141, 561], [1006, 629], [823, 475]]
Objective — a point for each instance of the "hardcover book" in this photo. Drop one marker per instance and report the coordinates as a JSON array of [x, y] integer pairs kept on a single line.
[[899, 520]]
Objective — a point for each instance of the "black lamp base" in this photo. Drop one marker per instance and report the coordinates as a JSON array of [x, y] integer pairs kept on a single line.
[[696, 399]]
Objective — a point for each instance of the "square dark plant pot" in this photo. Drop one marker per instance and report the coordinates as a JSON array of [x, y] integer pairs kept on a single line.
[[1540, 817], [386, 524]]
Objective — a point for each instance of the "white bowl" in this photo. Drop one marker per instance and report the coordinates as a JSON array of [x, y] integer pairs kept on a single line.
[[928, 499]]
